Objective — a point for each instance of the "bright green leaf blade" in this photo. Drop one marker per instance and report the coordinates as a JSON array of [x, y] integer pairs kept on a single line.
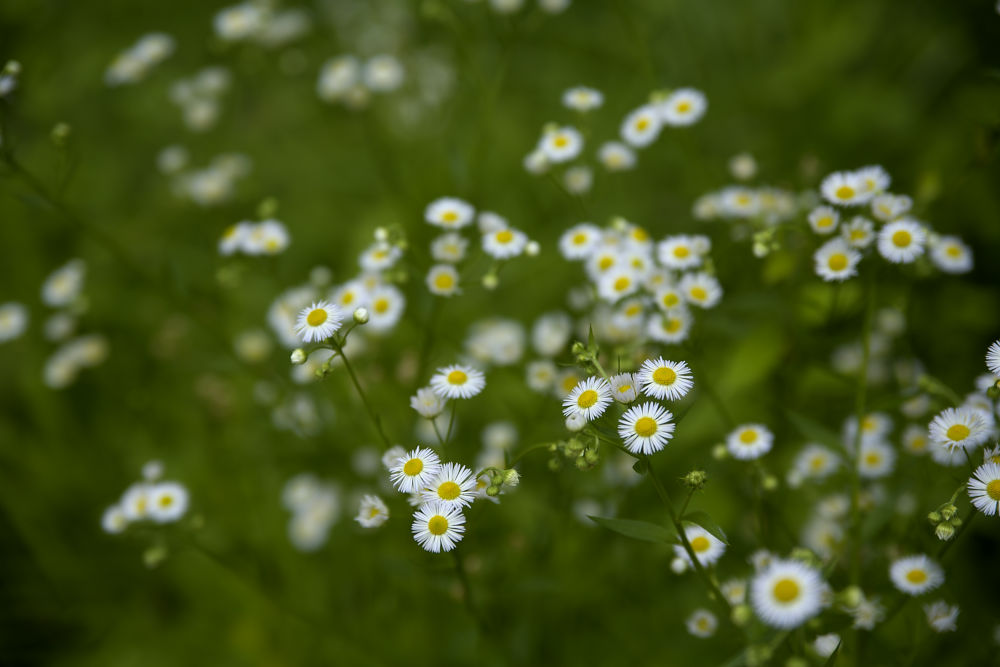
[[702, 519], [638, 530]]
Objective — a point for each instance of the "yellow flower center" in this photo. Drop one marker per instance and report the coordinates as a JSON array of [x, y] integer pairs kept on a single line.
[[872, 458], [681, 251], [748, 436], [958, 432], [438, 525], [505, 236], [457, 377], [316, 317], [844, 192], [670, 299], [817, 462], [606, 263], [449, 216], [786, 590], [444, 281], [639, 234], [413, 467], [633, 310], [587, 399], [953, 251], [824, 222], [858, 234], [698, 293], [664, 375], [918, 444], [642, 124], [700, 543], [569, 382], [645, 426], [373, 512], [347, 298], [579, 238], [449, 491], [993, 489], [622, 284], [902, 238], [683, 107], [166, 501], [916, 576], [381, 253], [381, 305], [673, 325], [837, 261], [624, 389]]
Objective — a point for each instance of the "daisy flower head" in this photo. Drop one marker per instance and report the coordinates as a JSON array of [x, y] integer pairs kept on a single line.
[[383, 73], [886, 207], [915, 439], [749, 441], [825, 645], [561, 144], [449, 213], [580, 241], [268, 237], [135, 502], [702, 623], [427, 403], [706, 547], [603, 260], [617, 284], [787, 593], [442, 280], [646, 428], [578, 180], [844, 188], [372, 512], [582, 98], [837, 261], [669, 297], [951, 255], [734, 590], [875, 459], [438, 526], [824, 219], [415, 470], [504, 243], [915, 575], [449, 247], [234, 238], [701, 289], [984, 488], [114, 521], [642, 126], [873, 179], [387, 304], [616, 156], [453, 485], [959, 427], [901, 241], [673, 326], [488, 221], [458, 381], [684, 106], [859, 232], [665, 380], [536, 162], [816, 461], [64, 284], [993, 358], [352, 294], [168, 501], [678, 252], [590, 398], [624, 387], [941, 616], [13, 321], [379, 256], [318, 321]]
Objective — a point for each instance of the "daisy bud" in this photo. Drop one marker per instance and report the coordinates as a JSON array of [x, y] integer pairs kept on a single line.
[[153, 556], [719, 452], [760, 249], [770, 483], [575, 422], [511, 477], [591, 456], [581, 463], [490, 281], [934, 517], [741, 615], [948, 511], [532, 249], [944, 531], [493, 491], [678, 565], [994, 391], [298, 356], [695, 479], [361, 315], [574, 447], [268, 208], [851, 597], [554, 465], [381, 234], [956, 522]]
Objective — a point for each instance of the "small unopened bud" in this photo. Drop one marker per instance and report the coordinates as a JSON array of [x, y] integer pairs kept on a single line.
[[581, 463], [678, 565], [490, 281], [578, 348], [575, 422], [948, 511], [574, 447], [298, 356], [381, 234], [493, 491], [796, 661], [511, 477], [944, 531], [268, 208], [934, 517], [591, 456], [994, 391], [695, 479], [760, 249], [851, 597], [361, 315], [741, 615], [956, 522], [719, 452], [770, 483], [532, 249], [554, 464]]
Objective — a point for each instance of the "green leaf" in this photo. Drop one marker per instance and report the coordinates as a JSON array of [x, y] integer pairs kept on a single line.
[[638, 530], [702, 519], [591, 343], [813, 430]]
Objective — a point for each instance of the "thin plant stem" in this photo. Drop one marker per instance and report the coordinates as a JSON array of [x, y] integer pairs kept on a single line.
[[361, 393]]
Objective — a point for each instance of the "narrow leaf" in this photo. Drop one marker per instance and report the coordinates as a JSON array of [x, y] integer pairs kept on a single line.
[[702, 519], [638, 530]]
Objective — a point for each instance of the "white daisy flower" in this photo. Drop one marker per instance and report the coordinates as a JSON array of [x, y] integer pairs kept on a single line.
[[337, 77], [915, 575], [234, 238], [453, 485], [673, 326], [684, 106], [580, 241], [993, 358], [867, 614], [646, 428], [449, 212], [946, 456], [238, 22], [616, 156], [734, 590], [561, 144], [749, 441], [669, 297], [951, 255], [887, 207], [536, 162], [873, 179], [582, 98], [859, 232], [823, 536], [700, 289], [372, 511], [438, 526], [415, 470], [442, 280], [383, 73], [427, 403], [350, 295], [268, 237], [617, 284], [13, 321], [550, 333], [915, 440], [941, 616], [450, 247], [706, 547], [590, 398], [876, 459], [984, 488], [63, 285], [135, 502], [566, 382], [642, 126], [387, 304], [825, 645], [624, 387], [677, 252], [816, 461], [168, 501], [901, 241], [458, 381], [702, 623], [504, 243], [959, 427], [824, 219], [318, 321], [742, 166], [787, 593], [114, 521], [602, 261], [540, 375], [844, 188], [665, 380], [578, 180], [835, 260], [992, 455], [379, 256]]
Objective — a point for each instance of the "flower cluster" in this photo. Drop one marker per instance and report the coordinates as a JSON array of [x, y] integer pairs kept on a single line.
[[151, 499]]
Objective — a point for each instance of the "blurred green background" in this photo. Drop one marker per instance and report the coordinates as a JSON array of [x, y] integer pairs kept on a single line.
[[806, 87]]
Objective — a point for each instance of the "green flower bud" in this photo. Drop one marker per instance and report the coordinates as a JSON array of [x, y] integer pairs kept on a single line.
[[361, 315], [851, 597], [719, 452], [511, 477], [741, 615], [944, 531], [591, 456], [770, 483], [934, 517], [298, 356], [948, 511], [493, 491], [695, 479]]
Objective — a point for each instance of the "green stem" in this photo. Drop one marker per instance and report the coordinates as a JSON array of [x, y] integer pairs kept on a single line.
[[361, 393], [451, 424]]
